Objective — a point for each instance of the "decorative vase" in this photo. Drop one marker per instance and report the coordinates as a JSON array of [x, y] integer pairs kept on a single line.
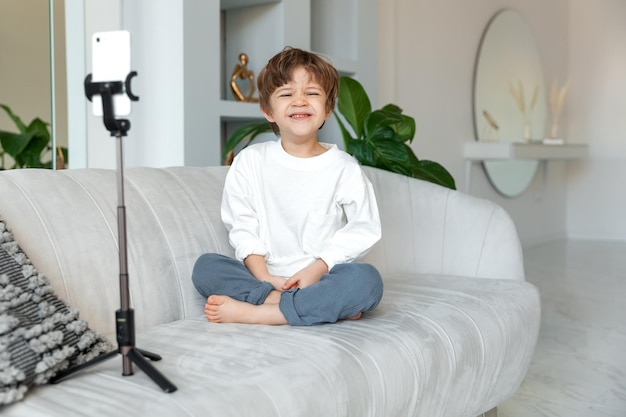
[[527, 130]]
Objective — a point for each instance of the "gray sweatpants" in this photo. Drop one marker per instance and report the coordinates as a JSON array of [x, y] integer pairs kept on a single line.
[[346, 290]]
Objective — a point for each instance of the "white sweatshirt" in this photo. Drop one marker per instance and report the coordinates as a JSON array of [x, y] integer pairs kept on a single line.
[[293, 210]]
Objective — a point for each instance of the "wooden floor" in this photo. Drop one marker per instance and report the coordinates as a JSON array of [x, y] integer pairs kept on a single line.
[[579, 366]]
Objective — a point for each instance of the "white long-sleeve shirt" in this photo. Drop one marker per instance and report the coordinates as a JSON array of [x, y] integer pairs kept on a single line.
[[294, 210]]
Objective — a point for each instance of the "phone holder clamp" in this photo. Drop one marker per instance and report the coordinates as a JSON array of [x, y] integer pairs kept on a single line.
[[106, 90]]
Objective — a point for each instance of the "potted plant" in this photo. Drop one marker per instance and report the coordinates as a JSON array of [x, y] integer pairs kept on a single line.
[[27, 147], [381, 137]]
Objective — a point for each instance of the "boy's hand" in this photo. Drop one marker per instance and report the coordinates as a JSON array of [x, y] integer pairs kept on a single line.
[[277, 282], [257, 267], [307, 276]]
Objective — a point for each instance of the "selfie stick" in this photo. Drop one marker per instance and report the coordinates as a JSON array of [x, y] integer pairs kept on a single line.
[[124, 317]]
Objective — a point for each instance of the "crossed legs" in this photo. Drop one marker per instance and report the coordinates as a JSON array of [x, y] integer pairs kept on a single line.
[[234, 295]]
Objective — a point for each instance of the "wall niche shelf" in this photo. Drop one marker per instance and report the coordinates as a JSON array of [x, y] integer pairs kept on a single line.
[[235, 4], [476, 152], [231, 110]]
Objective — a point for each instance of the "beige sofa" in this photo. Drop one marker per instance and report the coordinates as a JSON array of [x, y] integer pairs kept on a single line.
[[453, 335]]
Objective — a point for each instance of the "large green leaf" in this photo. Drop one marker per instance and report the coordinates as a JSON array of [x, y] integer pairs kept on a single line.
[[15, 143], [353, 104], [18, 122], [27, 147], [433, 172], [31, 156], [40, 127], [402, 125], [347, 137], [383, 148], [389, 146], [363, 152], [250, 132]]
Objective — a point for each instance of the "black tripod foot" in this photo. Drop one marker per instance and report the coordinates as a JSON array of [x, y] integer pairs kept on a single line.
[[138, 357], [62, 376], [149, 355]]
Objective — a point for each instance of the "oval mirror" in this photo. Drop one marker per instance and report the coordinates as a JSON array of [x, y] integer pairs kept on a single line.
[[509, 97]]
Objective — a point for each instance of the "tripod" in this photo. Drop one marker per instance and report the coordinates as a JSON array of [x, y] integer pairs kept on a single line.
[[124, 317]]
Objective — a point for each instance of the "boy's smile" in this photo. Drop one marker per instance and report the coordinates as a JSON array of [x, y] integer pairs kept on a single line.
[[299, 109]]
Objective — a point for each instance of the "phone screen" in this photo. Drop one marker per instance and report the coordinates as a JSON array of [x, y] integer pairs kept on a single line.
[[111, 62]]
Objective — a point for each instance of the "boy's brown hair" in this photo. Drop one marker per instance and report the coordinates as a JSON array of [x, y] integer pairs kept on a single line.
[[279, 71]]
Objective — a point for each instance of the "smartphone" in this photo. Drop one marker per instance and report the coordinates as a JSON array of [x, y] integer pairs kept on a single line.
[[110, 55]]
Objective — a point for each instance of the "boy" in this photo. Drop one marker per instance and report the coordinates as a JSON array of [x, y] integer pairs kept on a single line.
[[298, 213]]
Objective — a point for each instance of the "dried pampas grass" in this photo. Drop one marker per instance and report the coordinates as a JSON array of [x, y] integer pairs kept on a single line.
[[517, 91], [557, 100]]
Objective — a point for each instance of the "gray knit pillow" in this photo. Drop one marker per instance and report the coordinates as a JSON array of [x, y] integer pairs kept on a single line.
[[40, 335]]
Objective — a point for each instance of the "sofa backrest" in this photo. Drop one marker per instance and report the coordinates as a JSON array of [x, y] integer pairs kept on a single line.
[[429, 229], [66, 222]]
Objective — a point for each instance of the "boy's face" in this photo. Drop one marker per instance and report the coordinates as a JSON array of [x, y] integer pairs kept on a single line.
[[298, 107]]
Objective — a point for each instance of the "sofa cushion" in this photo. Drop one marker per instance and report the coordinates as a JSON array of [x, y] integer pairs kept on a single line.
[[431, 339], [40, 335]]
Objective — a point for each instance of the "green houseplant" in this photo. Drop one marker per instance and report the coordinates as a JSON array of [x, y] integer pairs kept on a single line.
[[381, 137], [27, 147]]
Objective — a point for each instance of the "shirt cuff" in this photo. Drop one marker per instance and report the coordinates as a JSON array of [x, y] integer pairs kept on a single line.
[[244, 251], [331, 259]]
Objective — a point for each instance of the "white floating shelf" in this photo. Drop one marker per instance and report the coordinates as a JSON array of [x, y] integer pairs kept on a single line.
[[494, 151], [475, 152], [343, 65], [237, 110]]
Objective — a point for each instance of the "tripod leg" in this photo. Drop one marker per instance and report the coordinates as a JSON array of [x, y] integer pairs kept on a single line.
[[149, 370], [69, 372], [149, 355]]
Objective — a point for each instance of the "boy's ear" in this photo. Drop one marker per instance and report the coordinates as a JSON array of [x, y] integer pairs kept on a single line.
[[268, 116]]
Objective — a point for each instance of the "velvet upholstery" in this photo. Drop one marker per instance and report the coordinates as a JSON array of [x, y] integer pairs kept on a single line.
[[453, 335]]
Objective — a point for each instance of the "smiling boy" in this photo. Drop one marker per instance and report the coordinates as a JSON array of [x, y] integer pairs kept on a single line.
[[300, 213]]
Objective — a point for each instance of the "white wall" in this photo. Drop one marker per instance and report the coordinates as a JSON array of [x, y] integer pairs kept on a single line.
[[24, 61], [596, 198], [428, 51], [157, 56]]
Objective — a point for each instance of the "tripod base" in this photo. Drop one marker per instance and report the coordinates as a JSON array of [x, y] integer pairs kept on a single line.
[[132, 354], [125, 320]]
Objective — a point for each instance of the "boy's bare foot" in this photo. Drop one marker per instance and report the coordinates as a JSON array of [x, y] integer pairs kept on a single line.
[[223, 309], [355, 317]]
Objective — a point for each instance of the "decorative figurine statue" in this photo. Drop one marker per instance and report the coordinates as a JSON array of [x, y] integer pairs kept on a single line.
[[241, 72]]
